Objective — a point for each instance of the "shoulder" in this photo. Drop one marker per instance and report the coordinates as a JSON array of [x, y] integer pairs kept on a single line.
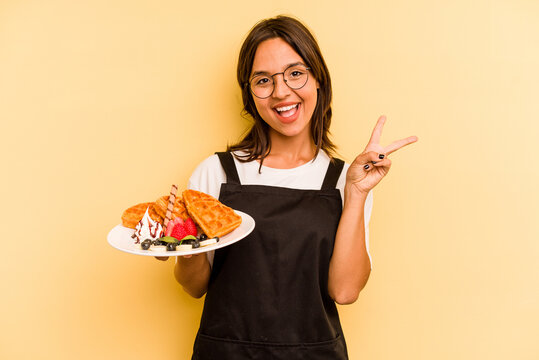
[[208, 176], [208, 166]]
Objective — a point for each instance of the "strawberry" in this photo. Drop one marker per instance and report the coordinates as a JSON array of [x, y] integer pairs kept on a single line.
[[190, 227], [179, 232], [179, 228], [172, 224]]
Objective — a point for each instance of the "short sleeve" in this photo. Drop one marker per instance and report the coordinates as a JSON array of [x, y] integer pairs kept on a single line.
[[208, 177]]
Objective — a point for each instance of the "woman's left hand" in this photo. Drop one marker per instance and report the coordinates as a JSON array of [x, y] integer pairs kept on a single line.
[[373, 164]]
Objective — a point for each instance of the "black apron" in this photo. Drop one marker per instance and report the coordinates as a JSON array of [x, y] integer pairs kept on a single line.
[[268, 293]]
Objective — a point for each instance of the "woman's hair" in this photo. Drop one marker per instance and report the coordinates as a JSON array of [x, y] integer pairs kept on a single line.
[[256, 142]]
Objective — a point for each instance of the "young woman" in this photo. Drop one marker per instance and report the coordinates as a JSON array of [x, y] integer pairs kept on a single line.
[[273, 294]]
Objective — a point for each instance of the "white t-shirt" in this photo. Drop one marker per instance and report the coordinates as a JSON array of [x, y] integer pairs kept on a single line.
[[209, 176]]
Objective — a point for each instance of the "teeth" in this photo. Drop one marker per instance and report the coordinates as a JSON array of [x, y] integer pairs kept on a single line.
[[286, 108]]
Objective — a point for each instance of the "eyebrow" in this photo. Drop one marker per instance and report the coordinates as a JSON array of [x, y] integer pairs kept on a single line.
[[267, 73]]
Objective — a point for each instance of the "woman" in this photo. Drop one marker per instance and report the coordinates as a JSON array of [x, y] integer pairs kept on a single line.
[[273, 294]]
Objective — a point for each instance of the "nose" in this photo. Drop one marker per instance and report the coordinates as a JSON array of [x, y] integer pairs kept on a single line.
[[280, 90]]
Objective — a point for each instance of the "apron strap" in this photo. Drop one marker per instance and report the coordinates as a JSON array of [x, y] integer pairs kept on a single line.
[[227, 162], [332, 175]]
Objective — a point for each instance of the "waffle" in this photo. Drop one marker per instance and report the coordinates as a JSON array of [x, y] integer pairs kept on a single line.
[[134, 214], [161, 205], [213, 217], [193, 195]]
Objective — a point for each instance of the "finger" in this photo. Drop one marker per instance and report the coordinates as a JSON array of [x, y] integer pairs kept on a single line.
[[377, 132], [383, 163], [396, 145], [367, 157]]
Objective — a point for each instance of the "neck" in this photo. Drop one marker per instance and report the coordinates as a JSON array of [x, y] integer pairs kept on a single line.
[[289, 152]]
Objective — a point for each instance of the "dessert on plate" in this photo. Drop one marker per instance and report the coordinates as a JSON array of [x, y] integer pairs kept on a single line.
[[174, 223]]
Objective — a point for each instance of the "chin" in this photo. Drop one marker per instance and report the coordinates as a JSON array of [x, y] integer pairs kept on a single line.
[[292, 131]]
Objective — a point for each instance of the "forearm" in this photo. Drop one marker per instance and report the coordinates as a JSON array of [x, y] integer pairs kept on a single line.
[[193, 274], [350, 266]]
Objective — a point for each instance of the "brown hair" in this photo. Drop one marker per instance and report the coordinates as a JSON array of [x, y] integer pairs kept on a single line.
[[257, 142]]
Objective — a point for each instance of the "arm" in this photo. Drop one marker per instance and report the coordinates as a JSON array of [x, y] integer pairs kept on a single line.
[[350, 267], [193, 274]]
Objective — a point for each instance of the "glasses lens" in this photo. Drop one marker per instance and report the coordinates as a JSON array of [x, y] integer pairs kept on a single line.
[[262, 86], [296, 76]]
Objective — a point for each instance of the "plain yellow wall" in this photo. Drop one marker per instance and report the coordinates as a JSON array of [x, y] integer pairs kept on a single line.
[[104, 104]]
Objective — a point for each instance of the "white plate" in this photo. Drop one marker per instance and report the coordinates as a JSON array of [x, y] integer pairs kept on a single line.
[[120, 238]]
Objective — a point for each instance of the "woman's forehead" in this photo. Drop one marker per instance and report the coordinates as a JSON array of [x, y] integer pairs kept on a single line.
[[274, 55]]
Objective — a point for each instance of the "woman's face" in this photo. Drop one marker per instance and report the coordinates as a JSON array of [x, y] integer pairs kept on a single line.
[[287, 111]]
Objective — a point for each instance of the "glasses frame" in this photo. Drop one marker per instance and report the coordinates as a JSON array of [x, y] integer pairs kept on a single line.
[[285, 81]]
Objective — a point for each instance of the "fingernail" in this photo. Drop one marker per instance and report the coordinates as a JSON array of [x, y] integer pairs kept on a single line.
[[381, 156], [374, 162], [366, 167]]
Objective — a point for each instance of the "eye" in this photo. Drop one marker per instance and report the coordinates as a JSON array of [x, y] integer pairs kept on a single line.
[[296, 73], [261, 81]]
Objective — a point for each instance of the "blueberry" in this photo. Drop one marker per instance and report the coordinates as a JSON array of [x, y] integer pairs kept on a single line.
[[203, 237], [196, 244], [216, 238], [171, 246], [145, 245]]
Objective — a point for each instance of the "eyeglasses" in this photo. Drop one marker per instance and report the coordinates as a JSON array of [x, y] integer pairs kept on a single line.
[[295, 76]]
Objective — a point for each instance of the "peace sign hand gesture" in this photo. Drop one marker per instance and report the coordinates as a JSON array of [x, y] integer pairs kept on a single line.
[[372, 164]]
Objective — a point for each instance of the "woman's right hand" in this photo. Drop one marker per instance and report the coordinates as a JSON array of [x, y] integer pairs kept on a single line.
[[372, 164]]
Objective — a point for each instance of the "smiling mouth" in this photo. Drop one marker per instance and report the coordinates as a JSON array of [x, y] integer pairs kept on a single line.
[[287, 111]]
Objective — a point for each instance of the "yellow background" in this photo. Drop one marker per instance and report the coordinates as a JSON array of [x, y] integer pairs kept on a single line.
[[104, 104]]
